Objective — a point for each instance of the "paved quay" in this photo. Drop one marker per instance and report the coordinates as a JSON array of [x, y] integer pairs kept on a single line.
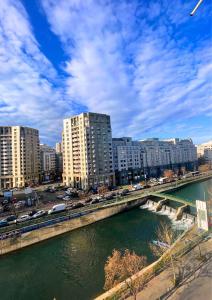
[[198, 286], [191, 267]]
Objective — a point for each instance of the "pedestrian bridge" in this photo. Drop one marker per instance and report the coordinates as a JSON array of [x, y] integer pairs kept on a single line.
[[173, 198]]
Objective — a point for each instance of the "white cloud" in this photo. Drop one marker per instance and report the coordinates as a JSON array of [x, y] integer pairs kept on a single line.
[[128, 61], [27, 77], [135, 62]]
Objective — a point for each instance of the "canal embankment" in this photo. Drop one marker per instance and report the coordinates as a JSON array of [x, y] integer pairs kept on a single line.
[[44, 233], [36, 233]]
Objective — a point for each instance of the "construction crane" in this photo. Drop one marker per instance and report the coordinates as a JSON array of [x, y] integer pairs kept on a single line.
[[195, 8]]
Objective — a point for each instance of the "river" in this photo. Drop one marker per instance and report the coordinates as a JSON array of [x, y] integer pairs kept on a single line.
[[195, 191], [71, 266]]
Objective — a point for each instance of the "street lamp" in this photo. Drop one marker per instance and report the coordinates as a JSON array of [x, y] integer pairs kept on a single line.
[[195, 8]]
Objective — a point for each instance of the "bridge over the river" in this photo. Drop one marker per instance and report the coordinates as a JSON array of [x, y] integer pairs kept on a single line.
[[173, 198]]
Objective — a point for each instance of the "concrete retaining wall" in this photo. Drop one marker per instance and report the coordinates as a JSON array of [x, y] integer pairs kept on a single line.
[[42, 234]]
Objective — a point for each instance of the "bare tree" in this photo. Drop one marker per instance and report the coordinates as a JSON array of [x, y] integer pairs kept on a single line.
[[166, 237], [168, 173], [204, 168], [120, 268], [102, 190], [183, 170]]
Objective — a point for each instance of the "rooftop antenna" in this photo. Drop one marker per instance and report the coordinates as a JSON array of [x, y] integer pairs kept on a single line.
[[195, 8]]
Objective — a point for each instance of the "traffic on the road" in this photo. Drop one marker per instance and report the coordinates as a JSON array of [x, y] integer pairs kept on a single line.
[[71, 202]]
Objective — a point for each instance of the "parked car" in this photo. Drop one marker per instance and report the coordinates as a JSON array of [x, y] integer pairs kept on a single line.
[[3, 223], [113, 188], [137, 187], [94, 201], [77, 205], [88, 200], [11, 219], [31, 214], [5, 202], [57, 208], [109, 197], [39, 214], [113, 194], [66, 198], [19, 204], [23, 218], [60, 196], [124, 192]]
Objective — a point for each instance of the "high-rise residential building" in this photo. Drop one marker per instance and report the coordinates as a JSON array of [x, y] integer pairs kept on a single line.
[[48, 162], [205, 151], [19, 156], [87, 151], [58, 148]]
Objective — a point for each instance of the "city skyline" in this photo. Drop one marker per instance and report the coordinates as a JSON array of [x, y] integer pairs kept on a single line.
[[147, 66]]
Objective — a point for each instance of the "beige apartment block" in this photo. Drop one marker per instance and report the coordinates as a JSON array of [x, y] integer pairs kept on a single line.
[[19, 156], [205, 150], [87, 151]]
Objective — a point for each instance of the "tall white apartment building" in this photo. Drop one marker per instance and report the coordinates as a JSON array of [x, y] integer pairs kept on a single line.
[[19, 156], [48, 162], [87, 151], [205, 150]]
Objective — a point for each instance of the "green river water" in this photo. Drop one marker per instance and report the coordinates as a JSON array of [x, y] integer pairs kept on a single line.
[[71, 266]]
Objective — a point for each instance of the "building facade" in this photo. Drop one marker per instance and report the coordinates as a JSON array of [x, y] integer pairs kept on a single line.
[[58, 148], [128, 165], [87, 151], [48, 162], [133, 160], [159, 155], [205, 151], [19, 156], [59, 161]]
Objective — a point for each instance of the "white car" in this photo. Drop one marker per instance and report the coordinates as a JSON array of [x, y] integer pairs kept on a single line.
[[66, 198], [38, 214], [23, 218], [137, 187]]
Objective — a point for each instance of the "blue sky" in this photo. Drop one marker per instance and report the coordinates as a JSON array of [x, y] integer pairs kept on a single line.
[[146, 63]]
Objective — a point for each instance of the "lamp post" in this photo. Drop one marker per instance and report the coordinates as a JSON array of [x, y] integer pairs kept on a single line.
[[195, 8]]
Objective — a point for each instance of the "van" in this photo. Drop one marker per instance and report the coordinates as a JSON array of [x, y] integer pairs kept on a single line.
[[57, 208]]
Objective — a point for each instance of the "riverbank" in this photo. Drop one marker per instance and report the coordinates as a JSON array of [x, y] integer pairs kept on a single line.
[[42, 231], [38, 235], [186, 261], [73, 262], [188, 265]]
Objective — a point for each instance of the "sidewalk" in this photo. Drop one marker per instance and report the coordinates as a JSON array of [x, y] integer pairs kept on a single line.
[[198, 286], [161, 284]]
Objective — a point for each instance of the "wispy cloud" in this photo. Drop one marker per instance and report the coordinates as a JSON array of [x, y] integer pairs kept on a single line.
[[27, 78], [133, 61], [146, 64]]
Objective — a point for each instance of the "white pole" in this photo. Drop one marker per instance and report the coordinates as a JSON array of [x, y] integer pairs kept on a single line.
[[196, 7]]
